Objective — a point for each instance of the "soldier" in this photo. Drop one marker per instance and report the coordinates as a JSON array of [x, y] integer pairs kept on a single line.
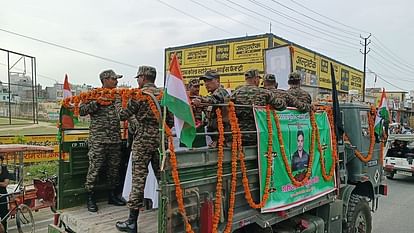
[[144, 147], [218, 95], [194, 93], [104, 143], [251, 94], [269, 81], [295, 90]]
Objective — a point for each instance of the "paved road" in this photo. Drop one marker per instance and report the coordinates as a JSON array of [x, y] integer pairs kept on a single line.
[[43, 218], [395, 212]]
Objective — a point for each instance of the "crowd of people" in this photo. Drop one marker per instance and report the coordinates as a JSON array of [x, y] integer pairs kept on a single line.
[[105, 140]]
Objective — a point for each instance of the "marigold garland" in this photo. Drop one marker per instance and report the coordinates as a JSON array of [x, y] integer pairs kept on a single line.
[[219, 185], [284, 156], [176, 178], [321, 154], [234, 150], [237, 136], [371, 129], [106, 96]]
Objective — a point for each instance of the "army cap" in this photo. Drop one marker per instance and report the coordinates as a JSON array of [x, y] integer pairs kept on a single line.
[[269, 77], [294, 77], [194, 82], [147, 71], [210, 75], [252, 73], [109, 74]]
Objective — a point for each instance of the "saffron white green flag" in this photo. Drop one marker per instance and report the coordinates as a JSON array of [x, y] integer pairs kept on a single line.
[[382, 114], [176, 100]]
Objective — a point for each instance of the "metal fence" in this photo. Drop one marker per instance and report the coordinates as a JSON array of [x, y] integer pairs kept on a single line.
[[18, 88]]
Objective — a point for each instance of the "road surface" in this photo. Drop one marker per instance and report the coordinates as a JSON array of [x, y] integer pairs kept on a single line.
[[395, 212]]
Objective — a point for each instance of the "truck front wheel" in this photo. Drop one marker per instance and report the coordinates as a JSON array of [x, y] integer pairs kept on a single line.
[[359, 219]]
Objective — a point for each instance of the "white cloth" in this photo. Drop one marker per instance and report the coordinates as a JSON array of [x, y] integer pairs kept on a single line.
[[151, 184]]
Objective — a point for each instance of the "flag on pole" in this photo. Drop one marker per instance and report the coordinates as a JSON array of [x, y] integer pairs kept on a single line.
[[177, 101], [382, 114], [66, 118]]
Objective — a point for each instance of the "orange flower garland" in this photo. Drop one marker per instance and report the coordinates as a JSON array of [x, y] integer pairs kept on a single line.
[[219, 185], [233, 172], [321, 155], [284, 156], [237, 136], [176, 178], [105, 96], [371, 129]]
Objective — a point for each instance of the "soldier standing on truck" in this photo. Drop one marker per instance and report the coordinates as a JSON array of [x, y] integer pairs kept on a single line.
[[218, 95], [194, 93], [144, 147], [104, 143], [295, 90], [251, 94], [269, 82]]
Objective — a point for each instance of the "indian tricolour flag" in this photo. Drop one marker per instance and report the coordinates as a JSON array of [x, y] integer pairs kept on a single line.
[[382, 114], [176, 100], [66, 118]]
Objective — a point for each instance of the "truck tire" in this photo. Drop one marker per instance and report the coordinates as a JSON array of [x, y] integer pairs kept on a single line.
[[359, 219]]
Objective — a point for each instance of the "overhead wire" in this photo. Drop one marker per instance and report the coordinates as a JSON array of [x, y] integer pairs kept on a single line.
[[316, 20], [221, 14], [393, 62], [304, 24], [289, 27], [68, 48], [389, 52], [331, 19], [196, 18]]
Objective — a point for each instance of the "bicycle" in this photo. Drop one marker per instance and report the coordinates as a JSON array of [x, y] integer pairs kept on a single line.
[[25, 222]]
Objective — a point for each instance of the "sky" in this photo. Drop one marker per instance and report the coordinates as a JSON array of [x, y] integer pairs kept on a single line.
[[81, 38]]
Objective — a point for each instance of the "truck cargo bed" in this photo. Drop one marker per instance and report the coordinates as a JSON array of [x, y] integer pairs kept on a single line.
[[79, 220]]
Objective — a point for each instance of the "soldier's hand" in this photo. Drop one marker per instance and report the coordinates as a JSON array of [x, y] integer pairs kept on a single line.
[[196, 102]]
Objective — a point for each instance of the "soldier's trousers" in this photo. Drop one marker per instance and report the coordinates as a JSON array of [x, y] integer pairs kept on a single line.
[[144, 151], [103, 156]]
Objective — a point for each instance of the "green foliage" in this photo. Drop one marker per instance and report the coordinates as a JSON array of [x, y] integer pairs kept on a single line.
[[19, 139], [35, 170]]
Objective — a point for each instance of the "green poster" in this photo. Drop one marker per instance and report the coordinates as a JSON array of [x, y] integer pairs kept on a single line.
[[296, 133]]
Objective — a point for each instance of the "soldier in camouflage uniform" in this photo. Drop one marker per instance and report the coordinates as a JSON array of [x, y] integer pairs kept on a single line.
[[218, 95], [269, 82], [194, 93], [104, 143], [295, 90], [251, 94], [144, 147]]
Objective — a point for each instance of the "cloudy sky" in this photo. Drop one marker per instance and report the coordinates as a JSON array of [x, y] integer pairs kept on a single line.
[[81, 38]]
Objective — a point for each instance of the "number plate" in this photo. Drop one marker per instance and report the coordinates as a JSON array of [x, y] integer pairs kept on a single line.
[[404, 173]]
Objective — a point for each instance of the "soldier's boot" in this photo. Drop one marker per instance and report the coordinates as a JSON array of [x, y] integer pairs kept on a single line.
[[130, 225], [91, 203], [114, 200]]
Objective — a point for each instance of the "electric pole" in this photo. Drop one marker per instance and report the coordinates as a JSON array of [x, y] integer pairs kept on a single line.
[[365, 44]]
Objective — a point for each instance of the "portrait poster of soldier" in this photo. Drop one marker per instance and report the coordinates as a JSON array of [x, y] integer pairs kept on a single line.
[[291, 143]]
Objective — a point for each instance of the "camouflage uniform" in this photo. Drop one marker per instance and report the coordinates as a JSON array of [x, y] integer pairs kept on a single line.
[[146, 141], [197, 110], [296, 91], [218, 96], [104, 140], [290, 100], [252, 95]]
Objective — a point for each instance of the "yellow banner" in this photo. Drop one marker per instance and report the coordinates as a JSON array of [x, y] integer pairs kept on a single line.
[[306, 63], [197, 57], [40, 140], [251, 50]]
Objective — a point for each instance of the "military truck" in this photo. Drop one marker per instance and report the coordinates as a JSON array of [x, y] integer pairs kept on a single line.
[[358, 187]]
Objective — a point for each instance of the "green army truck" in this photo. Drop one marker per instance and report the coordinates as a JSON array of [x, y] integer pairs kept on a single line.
[[347, 207]]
